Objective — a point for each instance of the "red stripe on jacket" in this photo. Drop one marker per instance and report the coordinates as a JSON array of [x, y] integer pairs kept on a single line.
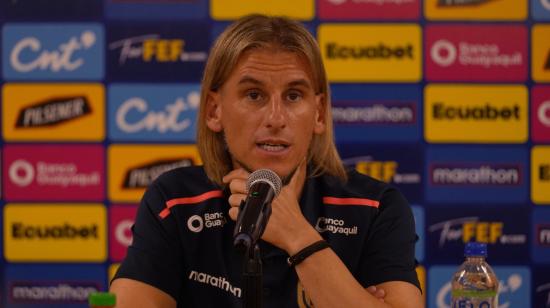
[[350, 201], [190, 200]]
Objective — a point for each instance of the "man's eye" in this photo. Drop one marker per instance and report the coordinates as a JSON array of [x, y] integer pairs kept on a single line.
[[294, 96], [254, 95]]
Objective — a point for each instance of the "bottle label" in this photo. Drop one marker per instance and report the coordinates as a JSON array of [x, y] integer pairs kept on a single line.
[[474, 293]]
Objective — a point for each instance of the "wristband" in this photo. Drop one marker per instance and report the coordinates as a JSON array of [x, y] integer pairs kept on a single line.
[[306, 252]]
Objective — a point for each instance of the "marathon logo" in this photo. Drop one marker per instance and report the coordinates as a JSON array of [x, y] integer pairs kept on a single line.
[[475, 175], [380, 51], [53, 111], [543, 235], [440, 111], [23, 173], [151, 47], [51, 293], [447, 3], [445, 53], [468, 229], [218, 282], [141, 176], [335, 226], [20, 231], [383, 113]]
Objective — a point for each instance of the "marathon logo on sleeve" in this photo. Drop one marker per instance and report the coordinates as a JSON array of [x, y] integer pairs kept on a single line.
[[53, 111], [215, 281], [488, 53], [142, 176], [53, 51]]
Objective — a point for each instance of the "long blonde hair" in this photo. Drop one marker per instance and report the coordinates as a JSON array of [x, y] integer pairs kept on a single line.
[[260, 31]]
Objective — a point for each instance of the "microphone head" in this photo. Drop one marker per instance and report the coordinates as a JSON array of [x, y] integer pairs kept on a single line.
[[266, 176]]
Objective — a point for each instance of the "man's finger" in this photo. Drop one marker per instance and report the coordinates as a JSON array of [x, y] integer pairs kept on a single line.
[[233, 213], [235, 174], [235, 199]]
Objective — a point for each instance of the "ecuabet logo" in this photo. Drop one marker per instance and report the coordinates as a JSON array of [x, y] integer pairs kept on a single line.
[[514, 286], [53, 112], [476, 113], [48, 232], [70, 172], [378, 52], [121, 220], [53, 51], [369, 9], [540, 174], [157, 53], [488, 53], [133, 167], [153, 112]]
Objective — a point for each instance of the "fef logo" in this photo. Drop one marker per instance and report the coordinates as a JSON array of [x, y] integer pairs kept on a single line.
[[55, 233], [369, 9], [541, 286], [449, 228], [540, 113], [540, 174], [514, 286], [54, 172], [297, 9], [476, 113], [157, 53], [53, 112], [540, 53], [475, 9], [133, 167], [356, 53], [476, 174], [53, 51], [153, 112], [487, 53], [121, 220]]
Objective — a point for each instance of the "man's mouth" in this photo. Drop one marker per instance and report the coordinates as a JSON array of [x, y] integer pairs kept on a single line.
[[272, 147]]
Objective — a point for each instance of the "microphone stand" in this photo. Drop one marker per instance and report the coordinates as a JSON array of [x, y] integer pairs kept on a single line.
[[252, 278]]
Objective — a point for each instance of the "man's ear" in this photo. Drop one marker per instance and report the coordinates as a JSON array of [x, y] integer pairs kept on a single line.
[[320, 114], [214, 112]]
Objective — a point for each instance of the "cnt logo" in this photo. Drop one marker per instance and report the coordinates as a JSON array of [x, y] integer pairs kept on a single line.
[[22, 173], [151, 47], [197, 223], [169, 120], [445, 53]]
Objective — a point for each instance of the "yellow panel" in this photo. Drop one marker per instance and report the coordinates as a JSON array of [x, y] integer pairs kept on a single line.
[[540, 53], [81, 125], [540, 174], [55, 233], [113, 268], [229, 10], [376, 53], [476, 113], [122, 159], [484, 10]]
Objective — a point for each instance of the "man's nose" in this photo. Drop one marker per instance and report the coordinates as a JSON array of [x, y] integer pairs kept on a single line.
[[276, 113]]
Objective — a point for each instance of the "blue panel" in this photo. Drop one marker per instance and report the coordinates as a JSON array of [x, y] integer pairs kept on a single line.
[[157, 52], [53, 51], [153, 10], [540, 9], [472, 174], [149, 112], [418, 213], [52, 9]]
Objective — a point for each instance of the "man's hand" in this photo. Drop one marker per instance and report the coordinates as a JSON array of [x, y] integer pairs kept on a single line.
[[287, 227]]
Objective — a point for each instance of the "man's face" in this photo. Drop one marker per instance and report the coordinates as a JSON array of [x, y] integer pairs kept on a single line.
[[268, 111]]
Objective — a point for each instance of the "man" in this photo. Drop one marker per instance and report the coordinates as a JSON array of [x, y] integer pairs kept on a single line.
[[265, 103]]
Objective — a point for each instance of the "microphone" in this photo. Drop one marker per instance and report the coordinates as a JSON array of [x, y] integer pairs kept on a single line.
[[262, 186]]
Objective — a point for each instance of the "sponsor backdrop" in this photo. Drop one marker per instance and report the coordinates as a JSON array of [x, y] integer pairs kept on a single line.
[[449, 100]]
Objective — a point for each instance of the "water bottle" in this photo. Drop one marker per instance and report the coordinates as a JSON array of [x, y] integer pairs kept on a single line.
[[102, 300], [474, 284]]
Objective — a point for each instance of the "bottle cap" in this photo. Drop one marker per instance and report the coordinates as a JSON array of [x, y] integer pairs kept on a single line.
[[475, 249], [102, 299]]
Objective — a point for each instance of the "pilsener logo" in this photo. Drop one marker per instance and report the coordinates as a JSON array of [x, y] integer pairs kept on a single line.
[[48, 112], [371, 52], [134, 167], [540, 174], [475, 9], [72, 172], [228, 10], [478, 113], [540, 113], [369, 9], [486, 54], [46, 232], [52, 293], [53, 51]]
